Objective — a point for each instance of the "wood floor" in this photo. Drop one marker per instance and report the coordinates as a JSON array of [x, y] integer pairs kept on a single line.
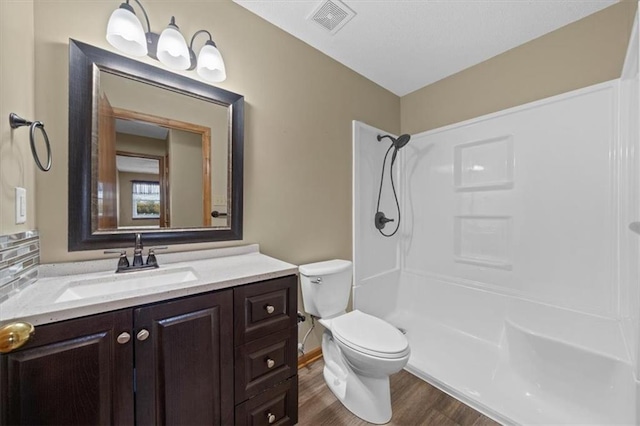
[[414, 402]]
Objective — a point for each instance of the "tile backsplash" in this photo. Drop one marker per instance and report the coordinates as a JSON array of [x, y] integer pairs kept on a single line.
[[19, 258]]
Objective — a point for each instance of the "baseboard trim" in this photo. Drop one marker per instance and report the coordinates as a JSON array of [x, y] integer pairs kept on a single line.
[[310, 357]]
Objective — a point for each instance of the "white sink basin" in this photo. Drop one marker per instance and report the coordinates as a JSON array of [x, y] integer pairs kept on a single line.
[[129, 281]]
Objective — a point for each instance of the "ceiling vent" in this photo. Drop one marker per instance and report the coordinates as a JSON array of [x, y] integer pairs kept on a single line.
[[332, 15]]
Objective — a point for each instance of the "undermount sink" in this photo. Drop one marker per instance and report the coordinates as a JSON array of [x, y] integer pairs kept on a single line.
[[118, 283]]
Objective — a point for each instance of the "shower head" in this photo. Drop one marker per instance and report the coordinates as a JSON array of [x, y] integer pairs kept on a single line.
[[402, 141], [398, 143]]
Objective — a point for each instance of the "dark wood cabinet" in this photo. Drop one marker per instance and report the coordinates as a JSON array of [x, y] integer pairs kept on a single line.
[[70, 373], [266, 368], [184, 361], [265, 307], [278, 406], [219, 358]]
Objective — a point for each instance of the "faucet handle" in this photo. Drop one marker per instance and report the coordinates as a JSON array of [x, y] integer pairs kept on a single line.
[[151, 259], [123, 262], [120, 252]]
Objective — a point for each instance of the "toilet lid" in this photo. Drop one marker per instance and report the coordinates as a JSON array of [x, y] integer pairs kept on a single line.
[[324, 268], [368, 334]]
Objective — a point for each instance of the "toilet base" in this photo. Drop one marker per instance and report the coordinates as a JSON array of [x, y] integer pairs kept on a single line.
[[367, 397]]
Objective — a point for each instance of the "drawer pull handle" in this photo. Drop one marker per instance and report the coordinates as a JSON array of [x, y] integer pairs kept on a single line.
[[142, 335], [270, 309], [14, 335], [123, 338], [271, 418], [270, 363]]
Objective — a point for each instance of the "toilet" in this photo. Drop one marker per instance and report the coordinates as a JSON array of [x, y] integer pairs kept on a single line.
[[360, 351]]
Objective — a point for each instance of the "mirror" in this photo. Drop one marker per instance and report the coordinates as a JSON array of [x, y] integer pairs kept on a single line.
[[152, 152]]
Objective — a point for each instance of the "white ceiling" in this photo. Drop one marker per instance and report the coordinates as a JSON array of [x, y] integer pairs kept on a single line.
[[404, 45]]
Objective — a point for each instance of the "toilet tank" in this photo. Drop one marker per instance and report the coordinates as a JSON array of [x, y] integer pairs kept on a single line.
[[325, 287]]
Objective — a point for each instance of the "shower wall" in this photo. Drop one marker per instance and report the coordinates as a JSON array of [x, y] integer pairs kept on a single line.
[[376, 258], [630, 198], [516, 274], [521, 203], [530, 203], [515, 247]]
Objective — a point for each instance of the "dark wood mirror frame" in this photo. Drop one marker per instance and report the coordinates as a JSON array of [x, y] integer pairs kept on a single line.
[[84, 62]]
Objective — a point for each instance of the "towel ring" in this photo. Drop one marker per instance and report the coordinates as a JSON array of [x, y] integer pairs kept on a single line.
[[16, 121]]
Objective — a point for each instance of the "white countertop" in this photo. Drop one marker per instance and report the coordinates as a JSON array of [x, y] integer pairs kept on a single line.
[[213, 270]]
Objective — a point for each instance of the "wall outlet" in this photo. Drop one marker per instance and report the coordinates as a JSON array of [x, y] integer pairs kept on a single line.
[[21, 205]]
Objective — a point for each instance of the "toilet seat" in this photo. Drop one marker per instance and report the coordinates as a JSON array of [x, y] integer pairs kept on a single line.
[[369, 335]]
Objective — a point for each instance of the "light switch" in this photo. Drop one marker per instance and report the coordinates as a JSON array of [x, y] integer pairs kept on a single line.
[[21, 205]]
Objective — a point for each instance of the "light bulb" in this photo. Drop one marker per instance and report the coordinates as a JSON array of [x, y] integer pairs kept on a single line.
[[210, 64], [172, 48], [125, 33]]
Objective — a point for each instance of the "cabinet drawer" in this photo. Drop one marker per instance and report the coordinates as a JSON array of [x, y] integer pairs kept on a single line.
[[278, 406], [265, 362], [265, 308]]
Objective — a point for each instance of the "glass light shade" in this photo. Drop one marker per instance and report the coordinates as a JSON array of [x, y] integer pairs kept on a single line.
[[173, 50], [125, 33], [210, 64]]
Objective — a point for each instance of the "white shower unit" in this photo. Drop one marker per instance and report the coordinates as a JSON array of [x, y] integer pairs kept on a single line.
[[515, 273]]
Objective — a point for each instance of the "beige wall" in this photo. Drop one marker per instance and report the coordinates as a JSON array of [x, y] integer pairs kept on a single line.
[[17, 167], [299, 107], [140, 145], [580, 54], [185, 179]]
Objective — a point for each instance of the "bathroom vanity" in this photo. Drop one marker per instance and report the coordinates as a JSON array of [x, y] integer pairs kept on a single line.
[[218, 349]]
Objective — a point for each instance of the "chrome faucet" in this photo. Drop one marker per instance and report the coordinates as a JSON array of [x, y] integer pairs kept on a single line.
[[138, 262]]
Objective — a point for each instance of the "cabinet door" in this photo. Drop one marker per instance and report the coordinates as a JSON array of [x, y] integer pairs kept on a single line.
[[70, 373], [184, 368]]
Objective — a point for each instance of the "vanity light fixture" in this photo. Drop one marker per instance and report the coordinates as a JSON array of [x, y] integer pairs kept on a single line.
[[125, 33]]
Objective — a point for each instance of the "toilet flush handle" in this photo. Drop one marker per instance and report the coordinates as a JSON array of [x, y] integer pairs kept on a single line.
[[317, 280]]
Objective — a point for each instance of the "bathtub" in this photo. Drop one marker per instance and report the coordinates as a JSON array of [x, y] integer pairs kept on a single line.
[[517, 361]]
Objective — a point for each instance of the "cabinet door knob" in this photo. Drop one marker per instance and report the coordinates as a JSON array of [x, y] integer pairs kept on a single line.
[[14, 335], [271, 418], [270, 309], [270, 363], [123, 338], [142, 335]]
